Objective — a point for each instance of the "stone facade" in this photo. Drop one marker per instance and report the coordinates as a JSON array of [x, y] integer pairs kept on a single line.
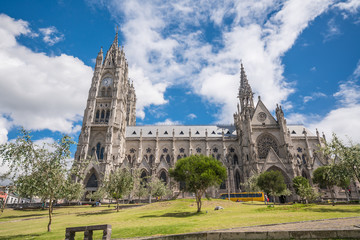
[[255, 143]]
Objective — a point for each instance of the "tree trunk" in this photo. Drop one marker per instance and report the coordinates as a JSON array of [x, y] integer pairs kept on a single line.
[[50, 215], [332, 195], [198, 201], [117, 204], [149, 198], [347, 195]]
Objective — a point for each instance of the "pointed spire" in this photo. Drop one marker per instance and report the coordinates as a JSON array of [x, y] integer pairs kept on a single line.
[[245, 88], [116, 38]]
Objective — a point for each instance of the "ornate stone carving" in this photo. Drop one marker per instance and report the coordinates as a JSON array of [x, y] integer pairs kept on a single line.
[[264, 144], [261, 117]]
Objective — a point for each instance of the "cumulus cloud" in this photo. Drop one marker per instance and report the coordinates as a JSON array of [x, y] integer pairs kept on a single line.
[[39, 91], [191, 116], [51, 35], [344, 120], [169, 122], [166, 43], [351, 6]]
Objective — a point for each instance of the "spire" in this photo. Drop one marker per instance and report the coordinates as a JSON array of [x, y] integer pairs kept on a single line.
[[116, 38], [245, 92]]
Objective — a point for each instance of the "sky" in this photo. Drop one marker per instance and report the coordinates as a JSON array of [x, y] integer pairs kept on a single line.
[[184, 59]]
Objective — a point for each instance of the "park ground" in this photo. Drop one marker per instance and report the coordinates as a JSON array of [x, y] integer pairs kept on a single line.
[[162, 218]]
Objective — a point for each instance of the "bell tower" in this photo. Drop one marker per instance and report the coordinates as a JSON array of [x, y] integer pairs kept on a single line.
[[110, 108]]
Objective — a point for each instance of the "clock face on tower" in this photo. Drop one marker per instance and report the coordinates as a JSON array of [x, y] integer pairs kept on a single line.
[[106, 82]]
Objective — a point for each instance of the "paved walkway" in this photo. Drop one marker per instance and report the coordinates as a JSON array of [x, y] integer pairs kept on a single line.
[[350, 223]]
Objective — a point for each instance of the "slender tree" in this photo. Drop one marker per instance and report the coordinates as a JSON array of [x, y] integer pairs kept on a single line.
[[119, 184], [303, 189], [139, 189], [199, 172], [156, 188], [38, 170]]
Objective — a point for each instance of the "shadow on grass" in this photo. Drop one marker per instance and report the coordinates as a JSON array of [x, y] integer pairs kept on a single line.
[[24, 216], [335, 210], [97, 213], [175, 214], [20, 236]]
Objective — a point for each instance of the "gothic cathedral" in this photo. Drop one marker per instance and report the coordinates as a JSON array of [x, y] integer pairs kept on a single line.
[[255, 143]]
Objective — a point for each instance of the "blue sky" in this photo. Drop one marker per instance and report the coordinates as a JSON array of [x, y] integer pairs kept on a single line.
[[184, 58]]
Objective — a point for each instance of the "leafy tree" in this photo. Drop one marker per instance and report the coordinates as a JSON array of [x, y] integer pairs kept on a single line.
[[251, 184], [139, 189], [322, 177], [303, 189], [272, 182], [330, 176], [346, 156], [119, 184], [199, 173], [38, 170], [74, 191], [156, 188]]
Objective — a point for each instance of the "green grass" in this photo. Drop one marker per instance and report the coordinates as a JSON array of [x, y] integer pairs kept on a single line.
[[161, 218]]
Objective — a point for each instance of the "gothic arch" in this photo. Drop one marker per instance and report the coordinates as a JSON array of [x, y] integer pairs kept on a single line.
[[287, 179], [163, 175], [264, 142], [92, 179], [237, 180]]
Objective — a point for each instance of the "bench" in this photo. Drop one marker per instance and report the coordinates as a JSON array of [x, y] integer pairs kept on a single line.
[[88, 232]]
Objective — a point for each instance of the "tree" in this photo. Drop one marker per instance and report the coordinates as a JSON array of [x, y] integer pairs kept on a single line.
[[303, 189], [251, 184], [347, 156], [272, 182], [118, 185], [199, 173], [156, 188], [330, 176], [38, 170], [139, 189], [322, 177]]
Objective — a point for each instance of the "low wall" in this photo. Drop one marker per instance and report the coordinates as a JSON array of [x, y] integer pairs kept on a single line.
[[316, 234]]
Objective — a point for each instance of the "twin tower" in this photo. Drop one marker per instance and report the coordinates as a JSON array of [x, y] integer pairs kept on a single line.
[[256, 142]]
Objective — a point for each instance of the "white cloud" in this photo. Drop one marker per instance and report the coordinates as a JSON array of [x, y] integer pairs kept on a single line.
[[332, 31], [169, 122], [344, 120], [314, 96], [4, 127], [191, 116], [38, 91], [349, 93], [166, 44], [51, 35], [351, 6]]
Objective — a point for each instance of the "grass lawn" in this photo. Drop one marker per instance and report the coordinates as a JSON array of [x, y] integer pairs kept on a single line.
[[172, 217]]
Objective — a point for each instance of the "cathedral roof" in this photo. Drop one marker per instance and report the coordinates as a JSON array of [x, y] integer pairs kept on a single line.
[[213, 131], [297, 131]]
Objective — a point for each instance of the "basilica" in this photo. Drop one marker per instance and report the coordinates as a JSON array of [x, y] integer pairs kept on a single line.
[[256, 142]]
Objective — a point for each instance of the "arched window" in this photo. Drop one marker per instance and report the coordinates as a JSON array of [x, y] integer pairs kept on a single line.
[[237, 180], [143, 177], [103, 92], [236, 160], [218, 157], [98, 148], [266, 142], [102, 153], [163, 177], [92, 182], [109, 92], [168, 159], [102, 115], [129, 158], [107, 116], [304, 158], [97, 116], [178, 157]]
